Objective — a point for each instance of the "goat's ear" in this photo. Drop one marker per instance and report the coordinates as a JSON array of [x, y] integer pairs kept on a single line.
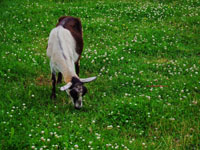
[[65, 87], [86, 80]]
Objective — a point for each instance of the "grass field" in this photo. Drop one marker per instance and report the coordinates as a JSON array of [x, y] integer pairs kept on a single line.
[[146, 55]]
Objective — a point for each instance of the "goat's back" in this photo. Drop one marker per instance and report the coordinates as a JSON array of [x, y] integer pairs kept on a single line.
[[61, 42]]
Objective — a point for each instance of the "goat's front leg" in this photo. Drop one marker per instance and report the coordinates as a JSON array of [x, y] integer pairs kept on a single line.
[[53, 94], [59, 77], [77, 66]]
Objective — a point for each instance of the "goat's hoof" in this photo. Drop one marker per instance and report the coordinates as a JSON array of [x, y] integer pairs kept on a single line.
[[53, 96], [59, 82]]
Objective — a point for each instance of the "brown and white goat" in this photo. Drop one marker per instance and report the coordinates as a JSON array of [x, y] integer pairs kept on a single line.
[[65, 46]]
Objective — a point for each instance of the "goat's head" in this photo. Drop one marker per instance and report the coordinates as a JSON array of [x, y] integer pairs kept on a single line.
[[76, 90]]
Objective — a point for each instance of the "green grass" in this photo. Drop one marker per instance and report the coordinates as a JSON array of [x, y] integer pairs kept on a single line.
[[146, 55]]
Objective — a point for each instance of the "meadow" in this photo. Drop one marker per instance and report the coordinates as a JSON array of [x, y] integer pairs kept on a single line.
[[145, 54]]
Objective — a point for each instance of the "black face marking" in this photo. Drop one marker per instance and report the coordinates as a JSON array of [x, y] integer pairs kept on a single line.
[[74, 95], [84, 90], [76, 83], [77, 91], [78, 86]]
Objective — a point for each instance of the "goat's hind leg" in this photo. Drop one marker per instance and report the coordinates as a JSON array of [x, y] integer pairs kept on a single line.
[[53, 94]]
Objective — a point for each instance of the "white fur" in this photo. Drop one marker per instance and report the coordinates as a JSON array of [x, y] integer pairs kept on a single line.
[[62, 53]]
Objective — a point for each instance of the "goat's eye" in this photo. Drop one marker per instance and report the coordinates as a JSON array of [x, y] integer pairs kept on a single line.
[[74, 94]]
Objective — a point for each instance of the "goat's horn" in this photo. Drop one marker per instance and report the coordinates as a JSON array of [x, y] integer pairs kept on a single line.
[[65, 87], [86, 80]]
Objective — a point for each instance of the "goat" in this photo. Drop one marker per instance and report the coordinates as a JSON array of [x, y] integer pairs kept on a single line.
[[65, 46]]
